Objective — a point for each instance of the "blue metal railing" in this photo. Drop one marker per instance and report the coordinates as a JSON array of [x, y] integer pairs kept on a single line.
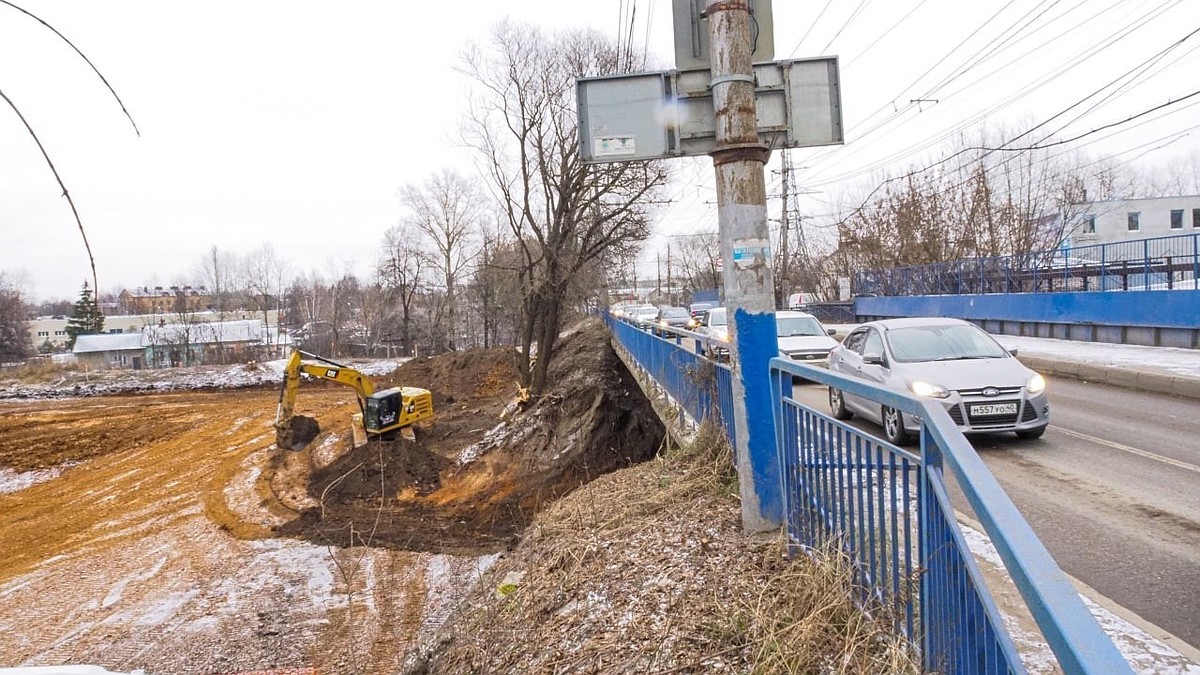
[[888, 511], [703, 387], [1143, 264]]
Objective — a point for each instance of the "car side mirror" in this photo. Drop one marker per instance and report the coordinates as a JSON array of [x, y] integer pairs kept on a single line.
[[831, 331], [1013, 351], [873, 359]]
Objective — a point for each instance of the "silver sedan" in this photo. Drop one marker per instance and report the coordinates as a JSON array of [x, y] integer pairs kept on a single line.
[[982, 386]]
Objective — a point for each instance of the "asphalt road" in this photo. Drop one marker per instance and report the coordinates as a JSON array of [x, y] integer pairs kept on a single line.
[[1112, 490]]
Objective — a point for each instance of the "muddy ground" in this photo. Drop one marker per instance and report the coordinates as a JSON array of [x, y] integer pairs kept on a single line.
[[164, 531]]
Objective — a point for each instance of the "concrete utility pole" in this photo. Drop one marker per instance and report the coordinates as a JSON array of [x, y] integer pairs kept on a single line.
[[738, 161]]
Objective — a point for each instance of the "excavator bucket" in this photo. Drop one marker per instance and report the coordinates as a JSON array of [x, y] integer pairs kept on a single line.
[[297, 433], [356, 428]]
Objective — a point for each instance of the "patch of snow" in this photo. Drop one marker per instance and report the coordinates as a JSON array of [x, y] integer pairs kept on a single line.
[[15, 481], [1145, 653], [114, 593]]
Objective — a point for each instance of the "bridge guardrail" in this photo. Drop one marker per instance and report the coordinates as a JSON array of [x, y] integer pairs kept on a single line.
[[1156, 263], [888, 509]]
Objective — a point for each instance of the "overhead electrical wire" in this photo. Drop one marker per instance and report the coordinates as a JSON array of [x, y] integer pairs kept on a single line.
[[853, 15], [883, 35], [974, 119], [811, 26]]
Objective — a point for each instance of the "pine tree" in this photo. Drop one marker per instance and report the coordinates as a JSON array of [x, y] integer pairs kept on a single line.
[[86, 318]]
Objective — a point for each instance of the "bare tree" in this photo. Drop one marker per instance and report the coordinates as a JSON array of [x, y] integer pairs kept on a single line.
[[563, 214], [986, 203], [216, 271], [401, 269], [446, 209], [696, 259], [263, 275], [14, 338]]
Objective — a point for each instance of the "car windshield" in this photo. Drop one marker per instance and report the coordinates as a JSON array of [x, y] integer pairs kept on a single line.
[[943, 343], [798, 325], [716, 317], [674, 313], [648, 311]]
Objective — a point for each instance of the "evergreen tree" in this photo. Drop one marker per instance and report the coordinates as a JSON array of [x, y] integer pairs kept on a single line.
[[86, 318]]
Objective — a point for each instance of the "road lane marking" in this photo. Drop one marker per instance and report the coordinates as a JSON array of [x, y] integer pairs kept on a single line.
[[1131, 450]]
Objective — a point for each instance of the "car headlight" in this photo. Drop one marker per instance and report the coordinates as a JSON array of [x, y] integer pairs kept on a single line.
[[1036, 384], [921, 388]]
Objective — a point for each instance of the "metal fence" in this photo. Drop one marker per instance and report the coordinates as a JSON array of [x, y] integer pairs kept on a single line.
[[703, 387], [888, 511], [1143, 264]]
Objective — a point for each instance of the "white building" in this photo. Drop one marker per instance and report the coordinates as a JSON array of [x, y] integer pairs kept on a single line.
[[54, 328], [170, 345], [1121, 220]]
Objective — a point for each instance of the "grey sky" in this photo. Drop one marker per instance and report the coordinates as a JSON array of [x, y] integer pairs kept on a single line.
[[295, 123]]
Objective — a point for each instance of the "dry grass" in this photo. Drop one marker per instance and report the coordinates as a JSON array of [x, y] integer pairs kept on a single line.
[[38, 370], [647, 570]]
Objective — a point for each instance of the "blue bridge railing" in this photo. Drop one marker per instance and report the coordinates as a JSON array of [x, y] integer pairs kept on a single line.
[[888, 510], [1143, 264]]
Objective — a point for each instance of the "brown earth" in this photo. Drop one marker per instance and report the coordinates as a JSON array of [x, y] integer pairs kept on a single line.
[[470, 482], [164, 542]]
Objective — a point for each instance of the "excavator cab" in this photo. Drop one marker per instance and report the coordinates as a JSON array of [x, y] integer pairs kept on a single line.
[[398, 407]]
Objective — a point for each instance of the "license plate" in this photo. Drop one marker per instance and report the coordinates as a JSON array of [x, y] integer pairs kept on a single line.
[[994, 409]]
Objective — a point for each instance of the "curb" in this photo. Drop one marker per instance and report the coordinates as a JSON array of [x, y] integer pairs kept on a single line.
[[1158, 382]]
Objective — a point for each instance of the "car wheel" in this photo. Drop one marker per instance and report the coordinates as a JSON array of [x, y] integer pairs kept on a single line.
[[893, 426], [1031, 433], [837, 406]]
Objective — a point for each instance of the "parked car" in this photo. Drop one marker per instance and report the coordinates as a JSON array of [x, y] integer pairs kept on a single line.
[[799, 301], [802, 337], [982, 386], [671, 317]]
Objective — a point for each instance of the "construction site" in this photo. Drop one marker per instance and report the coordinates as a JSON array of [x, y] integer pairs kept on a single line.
[[152, 525], [166, 532]]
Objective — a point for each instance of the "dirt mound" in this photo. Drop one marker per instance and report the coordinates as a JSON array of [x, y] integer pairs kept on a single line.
[[471, 481]]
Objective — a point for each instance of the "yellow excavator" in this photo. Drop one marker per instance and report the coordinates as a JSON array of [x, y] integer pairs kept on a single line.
[[381, 412]]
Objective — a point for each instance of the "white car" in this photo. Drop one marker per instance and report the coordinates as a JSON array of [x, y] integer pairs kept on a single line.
[[643, 316], [803, 338], [982, 386]]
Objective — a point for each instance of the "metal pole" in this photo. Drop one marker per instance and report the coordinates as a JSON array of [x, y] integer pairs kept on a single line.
[[738, 161], [785, 258]]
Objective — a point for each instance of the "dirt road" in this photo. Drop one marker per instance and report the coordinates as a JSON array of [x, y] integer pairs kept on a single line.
[[145, 551]]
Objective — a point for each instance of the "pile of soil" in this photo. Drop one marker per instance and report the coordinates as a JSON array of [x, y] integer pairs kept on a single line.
[[471, 481]]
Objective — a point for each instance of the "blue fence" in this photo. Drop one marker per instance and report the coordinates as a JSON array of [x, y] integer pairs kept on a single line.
[[1159, 263], [888, 510], [702, 387]]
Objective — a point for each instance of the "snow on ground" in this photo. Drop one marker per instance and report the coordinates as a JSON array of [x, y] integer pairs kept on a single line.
[[13, 481], [1145, 653], [105, 382]]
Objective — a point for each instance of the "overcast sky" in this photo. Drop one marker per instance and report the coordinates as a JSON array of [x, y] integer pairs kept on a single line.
[[295, 123]]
